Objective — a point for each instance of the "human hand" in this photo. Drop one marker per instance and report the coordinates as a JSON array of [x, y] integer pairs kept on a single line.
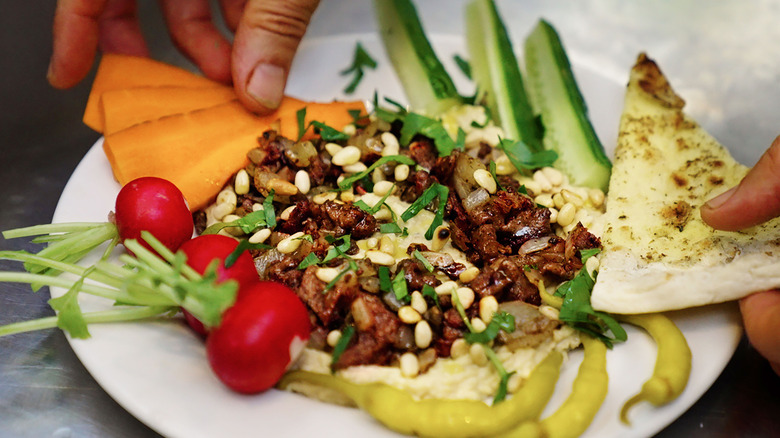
[[756, 199], [267, 34]]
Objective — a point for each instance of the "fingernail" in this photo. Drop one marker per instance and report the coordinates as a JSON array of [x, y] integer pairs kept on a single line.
[[721, 199], [266, 85]]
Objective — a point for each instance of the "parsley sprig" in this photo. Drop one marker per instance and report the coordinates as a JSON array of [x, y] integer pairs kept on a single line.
[[360, 61], [435, 191]]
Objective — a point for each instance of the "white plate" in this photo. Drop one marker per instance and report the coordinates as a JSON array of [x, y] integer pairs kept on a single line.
[[158, 370]]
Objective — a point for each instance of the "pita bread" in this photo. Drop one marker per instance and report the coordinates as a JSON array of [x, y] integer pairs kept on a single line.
[[658, 253]]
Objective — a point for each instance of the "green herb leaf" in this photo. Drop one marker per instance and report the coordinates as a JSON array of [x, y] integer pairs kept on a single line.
[[501, 321], [415, 124], [577, 311], [329, 133], [492, 167], [69, 315], [268, 208], [247, 224], [523, 158], [418, 255], [385, 283], [242, 246], [311, 259], [390, 228], [430, 292], [585, 254], [463, 65], [435, 191], [347, 182], [336, 279], [300, 116], [341, 345], [337, 249], [360, 61], [399, 287], [372, 210]]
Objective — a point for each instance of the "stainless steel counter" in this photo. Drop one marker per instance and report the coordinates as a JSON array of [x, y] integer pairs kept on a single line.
[[722, 56]]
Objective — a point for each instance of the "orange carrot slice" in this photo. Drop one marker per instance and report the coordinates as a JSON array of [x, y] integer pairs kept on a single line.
[[199, 151], [123, 71], [126, 107]]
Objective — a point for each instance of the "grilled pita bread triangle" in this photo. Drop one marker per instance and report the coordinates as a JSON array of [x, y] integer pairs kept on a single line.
[[658, 253]]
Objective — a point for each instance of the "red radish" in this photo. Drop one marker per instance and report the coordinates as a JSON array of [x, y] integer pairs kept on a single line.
[[202, 251], [258, 338], [157, 206]]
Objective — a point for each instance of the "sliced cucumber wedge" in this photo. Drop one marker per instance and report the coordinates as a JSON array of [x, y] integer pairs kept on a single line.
[[426, 83], [497, 74], [556, 97]]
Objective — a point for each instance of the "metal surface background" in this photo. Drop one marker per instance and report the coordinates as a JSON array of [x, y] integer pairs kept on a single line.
[[722, 56]]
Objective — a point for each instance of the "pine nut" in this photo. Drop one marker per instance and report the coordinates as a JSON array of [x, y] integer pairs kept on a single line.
[[350, 129], [408, 315], [354, 168], [533, 186], [382, 188], [504, 166], [446, 288], [469, 274], [383, 214], [241, 186], [558, 200], [440, 237], [423, 335], [553, 215], [401, 172], [227, 196], [465, 296], [347, 195], [566, 214], [221, 210], [380, 258], [410, 365], [596, 197], [545, 200], [487, 307], [553, 175], [281, 187], [260, 236], [372, 242], [550, 312], [257, 206], [326, 274], [290, 243], [485, 179], [285, 214], [391, 144], [477, 353], [303, 181], [478, 324], [572, 197], [459, 348], [377, 175], [387, 245], [332, 149], [333, 337], [346, 156], [542, 180], [324, 197], [418, 302]]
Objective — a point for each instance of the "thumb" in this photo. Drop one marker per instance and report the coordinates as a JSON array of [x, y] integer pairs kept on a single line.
[[761, 316], [755, 200], [266, 40]]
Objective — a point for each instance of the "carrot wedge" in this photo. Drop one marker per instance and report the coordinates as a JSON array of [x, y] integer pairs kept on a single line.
[[123, 71], [199, 151], [126, 107]]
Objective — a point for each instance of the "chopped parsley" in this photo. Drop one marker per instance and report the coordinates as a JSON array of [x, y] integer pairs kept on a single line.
[[247, 224], [418, 255], [326, 132], [268, 208], [579, 314], [523, 158], [435, 191], [341, 345], [360, 61], [347, 182]]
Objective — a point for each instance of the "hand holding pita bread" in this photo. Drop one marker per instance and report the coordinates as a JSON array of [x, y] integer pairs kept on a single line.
[[756, 199]]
